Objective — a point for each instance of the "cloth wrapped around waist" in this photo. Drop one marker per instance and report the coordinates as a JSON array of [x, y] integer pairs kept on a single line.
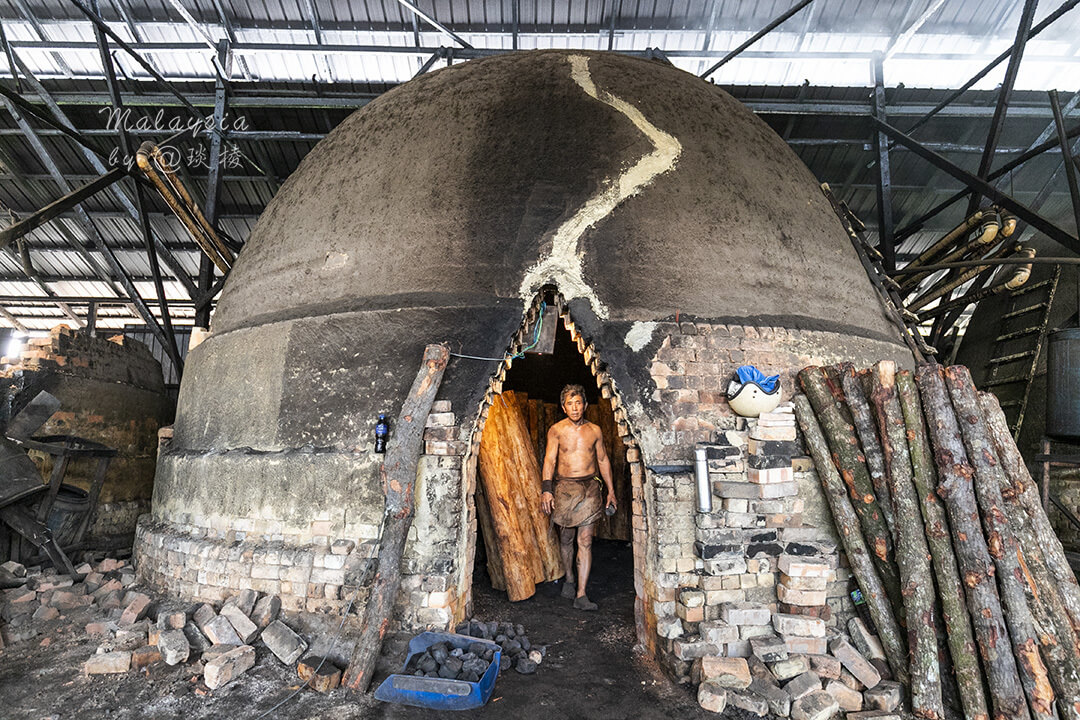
[[578, 500]]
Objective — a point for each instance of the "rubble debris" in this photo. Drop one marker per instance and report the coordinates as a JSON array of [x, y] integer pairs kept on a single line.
[[227, 667], [319, 673]]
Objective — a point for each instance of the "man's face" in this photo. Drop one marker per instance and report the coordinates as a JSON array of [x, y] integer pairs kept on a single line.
[[574, 407]]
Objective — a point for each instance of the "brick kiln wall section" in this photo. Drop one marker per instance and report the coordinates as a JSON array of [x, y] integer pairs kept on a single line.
[[210, 559], [718, 580]]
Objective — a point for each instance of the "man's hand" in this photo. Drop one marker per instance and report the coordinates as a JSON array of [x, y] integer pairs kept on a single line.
[[547, 503], [611, 500]]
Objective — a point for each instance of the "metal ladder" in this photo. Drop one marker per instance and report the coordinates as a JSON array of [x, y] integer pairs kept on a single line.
[[1015, 356]]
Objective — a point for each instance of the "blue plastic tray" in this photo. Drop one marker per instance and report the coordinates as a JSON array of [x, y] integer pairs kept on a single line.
[[439, 693]]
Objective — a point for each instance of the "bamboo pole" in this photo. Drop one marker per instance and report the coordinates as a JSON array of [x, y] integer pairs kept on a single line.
[[871, 446], [855, 547], [1002, 543], [912, 553], [399, 479], [852, 467], [972, 554], [959, 635], [1056, 635]]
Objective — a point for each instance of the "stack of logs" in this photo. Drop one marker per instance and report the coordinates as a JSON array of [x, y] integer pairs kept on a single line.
[[946, 535]]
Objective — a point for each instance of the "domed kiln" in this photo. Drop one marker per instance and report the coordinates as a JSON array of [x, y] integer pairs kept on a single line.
[[685, 237]]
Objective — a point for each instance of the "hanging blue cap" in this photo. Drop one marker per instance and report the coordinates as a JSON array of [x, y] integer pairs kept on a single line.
[[749, 373]]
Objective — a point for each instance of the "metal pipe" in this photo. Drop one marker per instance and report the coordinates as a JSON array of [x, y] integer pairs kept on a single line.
[[757, 36], [992, 262], [1017, 279], [937, 291], [1066, 156], [701, 474]]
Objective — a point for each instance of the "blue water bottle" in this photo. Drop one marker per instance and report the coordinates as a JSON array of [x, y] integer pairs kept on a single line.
[[382, 431]]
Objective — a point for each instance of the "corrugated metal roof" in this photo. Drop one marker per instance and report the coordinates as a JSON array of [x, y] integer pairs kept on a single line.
[[284, 80]]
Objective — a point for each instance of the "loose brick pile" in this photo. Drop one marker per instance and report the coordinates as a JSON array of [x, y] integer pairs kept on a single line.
[[136, 630]]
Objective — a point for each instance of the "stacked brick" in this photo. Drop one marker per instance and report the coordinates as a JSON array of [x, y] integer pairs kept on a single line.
[[63, 351], [316, 566]]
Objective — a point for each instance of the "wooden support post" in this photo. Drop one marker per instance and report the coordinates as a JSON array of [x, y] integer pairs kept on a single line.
[[852, 466], [961, 639], [859, 555], [871, 446], [1057, 637], [399, 479], [912, 553], [972, 553], [1011, 570]]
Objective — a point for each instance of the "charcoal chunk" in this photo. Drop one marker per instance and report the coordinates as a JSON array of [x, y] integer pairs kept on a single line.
[[427, 663], [471, 677], [525, 644], [439, 652], [457, 652], [478, 649], [450, 668], [525, 666]]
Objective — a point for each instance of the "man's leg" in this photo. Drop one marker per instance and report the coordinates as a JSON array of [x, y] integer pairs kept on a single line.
[[566, 548], [584, 565]]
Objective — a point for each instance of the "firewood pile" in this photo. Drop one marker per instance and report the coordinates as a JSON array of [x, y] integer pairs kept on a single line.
[[970, 591]]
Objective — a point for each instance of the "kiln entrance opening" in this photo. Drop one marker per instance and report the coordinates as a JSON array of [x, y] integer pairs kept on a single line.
[[519, 552]]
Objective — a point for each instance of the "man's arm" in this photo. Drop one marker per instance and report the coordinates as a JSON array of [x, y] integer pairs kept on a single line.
[[603, 464], [551, 456]]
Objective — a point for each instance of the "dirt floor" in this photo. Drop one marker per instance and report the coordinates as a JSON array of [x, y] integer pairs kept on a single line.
[[591, 670]]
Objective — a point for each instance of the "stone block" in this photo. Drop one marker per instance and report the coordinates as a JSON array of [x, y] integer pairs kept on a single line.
[[229, 666], [749, 632], [818, 705], [800, 625], [669, 627], [826, 666], [804, 583], [44, 613], [725, 566], [738, 648], [717, 632], [174, 647], [886, 695], [145, 656], [243, 601], [692, 648], [691, 615], [805, 598], [783, 433], [875, 715], [850, 680], [769, 649], [135, 609], [803, 684], [749, 701], [712, 697], [118, 661], [800, 566], [778, 700], [745, 613], [196, 640], [266, 610], [221, 632], [15, 569], [800, 645], [849, 700], [728, 672], [865, 641], [691, 598], [771, 476], [97, 628], [245, 629], [203, 614], [286, 645], [171, 620], [854, 662], [793, 666]]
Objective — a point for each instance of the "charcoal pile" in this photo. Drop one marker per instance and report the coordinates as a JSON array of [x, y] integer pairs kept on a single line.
[[453, 663], [945, 532], [517, 650]]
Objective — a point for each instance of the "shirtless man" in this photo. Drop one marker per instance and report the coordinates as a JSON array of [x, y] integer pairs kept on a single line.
[[571, 489]]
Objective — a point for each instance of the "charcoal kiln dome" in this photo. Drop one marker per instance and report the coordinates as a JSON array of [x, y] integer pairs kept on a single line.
[[435, 214]]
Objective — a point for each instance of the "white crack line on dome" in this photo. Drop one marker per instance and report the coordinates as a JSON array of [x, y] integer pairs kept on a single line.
[[564, 264]]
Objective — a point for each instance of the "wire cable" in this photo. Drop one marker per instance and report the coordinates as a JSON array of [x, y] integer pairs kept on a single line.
[[520, 353]]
